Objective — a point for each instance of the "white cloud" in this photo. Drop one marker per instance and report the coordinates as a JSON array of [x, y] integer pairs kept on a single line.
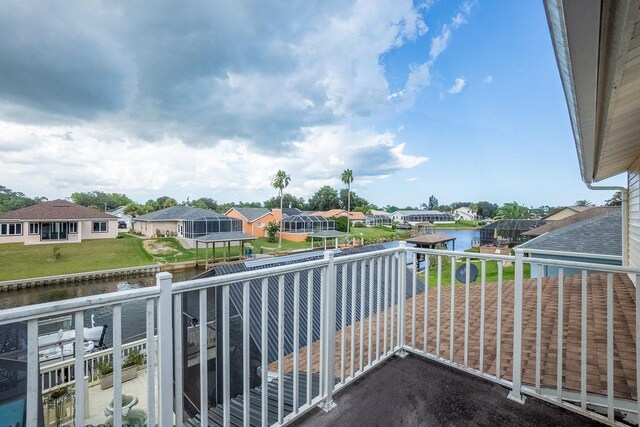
[[488, 79], [95, 158], [440, 42], [412, 179], [457, 86]]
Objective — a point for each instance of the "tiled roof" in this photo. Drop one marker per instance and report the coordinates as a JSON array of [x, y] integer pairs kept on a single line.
[[600, 235], [252, 214], [180, 212], [55, 210], [581, 216], [623, 321]]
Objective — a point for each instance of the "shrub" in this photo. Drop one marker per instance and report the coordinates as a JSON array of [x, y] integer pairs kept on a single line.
[[56, 253], [272, 230]]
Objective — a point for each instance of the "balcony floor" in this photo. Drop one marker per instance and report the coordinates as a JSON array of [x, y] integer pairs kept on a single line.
[[415, 391]]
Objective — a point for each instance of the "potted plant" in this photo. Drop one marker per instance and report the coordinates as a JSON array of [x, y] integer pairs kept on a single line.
[[129, 369]]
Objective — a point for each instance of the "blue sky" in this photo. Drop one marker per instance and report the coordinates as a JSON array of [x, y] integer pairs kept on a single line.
[[457, 99]]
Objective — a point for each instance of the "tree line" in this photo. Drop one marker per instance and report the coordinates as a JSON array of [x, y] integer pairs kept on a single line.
[[324, 199]]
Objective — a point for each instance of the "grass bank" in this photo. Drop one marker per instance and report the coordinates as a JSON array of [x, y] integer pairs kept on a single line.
[[459, 225], [26, 261], [508, 272], [378, 234]]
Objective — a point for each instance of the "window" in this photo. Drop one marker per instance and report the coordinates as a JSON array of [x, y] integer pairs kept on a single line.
[[261, 224], [34, 228], [11, 229], [100, 227], [54, 231], [73, 227]]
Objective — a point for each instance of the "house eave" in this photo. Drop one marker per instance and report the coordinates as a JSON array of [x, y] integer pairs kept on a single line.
[[595, 44]]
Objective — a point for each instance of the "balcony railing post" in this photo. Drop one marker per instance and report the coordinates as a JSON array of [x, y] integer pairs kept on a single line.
[[516, 393], [165, 350], [328, 335], [402, 297]]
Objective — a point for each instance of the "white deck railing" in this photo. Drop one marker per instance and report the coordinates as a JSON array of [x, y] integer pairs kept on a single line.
[[359, 304]]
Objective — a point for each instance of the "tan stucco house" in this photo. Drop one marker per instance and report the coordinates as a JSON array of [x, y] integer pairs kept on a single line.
[[254, 220], [56, 221]]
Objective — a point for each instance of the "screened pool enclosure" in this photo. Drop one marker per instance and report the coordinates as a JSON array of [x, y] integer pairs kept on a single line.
[[377, 220], [306, 224], [197, 227], [508, 232], [431, 217]]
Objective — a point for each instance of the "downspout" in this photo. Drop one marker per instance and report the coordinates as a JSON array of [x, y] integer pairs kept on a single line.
[[625, 213]]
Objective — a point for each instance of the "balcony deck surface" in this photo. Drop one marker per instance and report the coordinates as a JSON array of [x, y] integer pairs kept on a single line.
[[418, 392]]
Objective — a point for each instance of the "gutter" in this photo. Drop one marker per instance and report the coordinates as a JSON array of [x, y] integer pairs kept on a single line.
[[625, 217]]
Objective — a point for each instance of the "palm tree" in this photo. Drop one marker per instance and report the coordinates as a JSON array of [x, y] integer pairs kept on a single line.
[[583, 203], [513, 211], [347, 178], [281, 181]]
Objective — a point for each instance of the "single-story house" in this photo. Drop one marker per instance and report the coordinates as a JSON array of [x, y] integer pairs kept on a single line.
[[353, 216], [566, 212], [56, 221], [597, 239], [254, 220], [415, 216], [464, 213], [184, 221]]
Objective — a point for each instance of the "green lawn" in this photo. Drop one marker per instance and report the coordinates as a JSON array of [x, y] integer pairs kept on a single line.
[[378, 234], [508, 273], [24, 261], [462, 224]]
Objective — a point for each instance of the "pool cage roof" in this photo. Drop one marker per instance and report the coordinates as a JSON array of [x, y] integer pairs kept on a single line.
[[306, 224], [506, 225]]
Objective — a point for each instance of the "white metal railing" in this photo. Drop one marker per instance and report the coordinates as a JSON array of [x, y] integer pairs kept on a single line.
[[61, 373], [336, 318]]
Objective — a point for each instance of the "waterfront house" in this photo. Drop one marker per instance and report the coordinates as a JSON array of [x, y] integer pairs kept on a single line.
[[254, 220], [56, 221], [184, 221], [464, 213]]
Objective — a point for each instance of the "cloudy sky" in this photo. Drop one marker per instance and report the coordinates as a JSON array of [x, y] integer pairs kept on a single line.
[[209, 99]]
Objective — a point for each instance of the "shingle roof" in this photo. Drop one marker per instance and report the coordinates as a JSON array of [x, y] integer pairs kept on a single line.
[[581, 216], [251, 214], [600, 235], [623, 322], [180, 212], [291, 211], [55, 210]]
